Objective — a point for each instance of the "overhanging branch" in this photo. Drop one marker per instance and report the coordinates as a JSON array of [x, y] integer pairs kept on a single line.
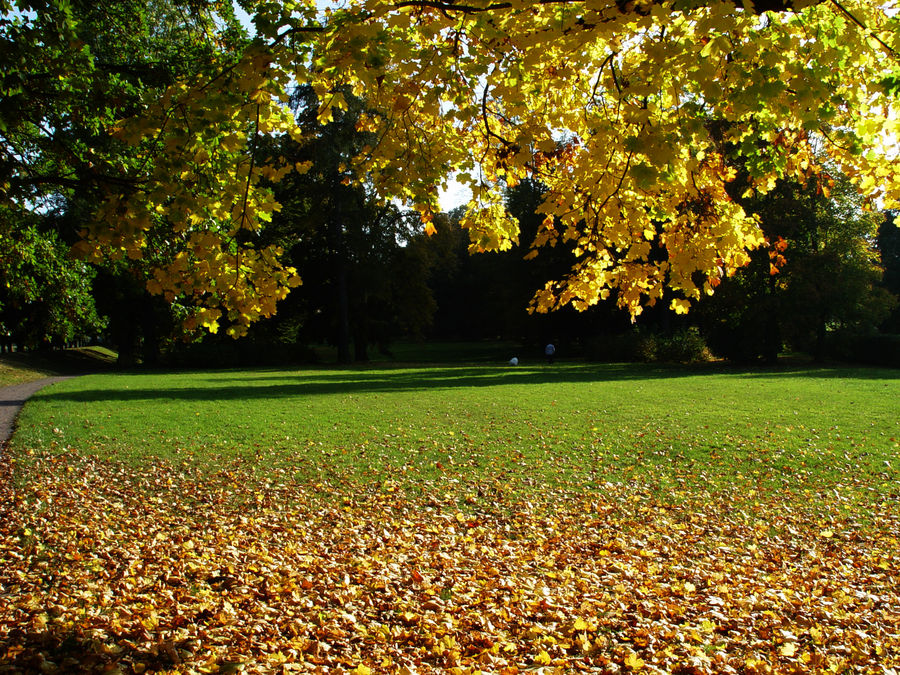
[[624, 6]]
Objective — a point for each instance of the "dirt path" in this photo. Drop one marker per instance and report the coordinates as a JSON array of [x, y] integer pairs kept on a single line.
[[13, 398]]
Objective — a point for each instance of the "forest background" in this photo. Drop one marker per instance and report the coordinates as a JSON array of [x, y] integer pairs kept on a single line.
[[373, 271]]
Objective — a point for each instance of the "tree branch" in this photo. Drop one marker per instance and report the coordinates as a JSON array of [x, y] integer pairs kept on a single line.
[[484, 117], [624, 6], [890, 50]]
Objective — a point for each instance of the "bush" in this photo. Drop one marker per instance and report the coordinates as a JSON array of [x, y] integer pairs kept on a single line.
[[878, 349], [683, 346], [635, 346], [228, 353]]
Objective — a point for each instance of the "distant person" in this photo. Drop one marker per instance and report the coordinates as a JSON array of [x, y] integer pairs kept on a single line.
[[550, 352]]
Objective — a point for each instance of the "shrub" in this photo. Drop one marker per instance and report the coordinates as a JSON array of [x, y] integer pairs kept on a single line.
[[682, 346], [634, 346], [877, 349], [228, 353]]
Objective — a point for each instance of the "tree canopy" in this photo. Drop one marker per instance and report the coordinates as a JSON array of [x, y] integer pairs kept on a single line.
[[630, 113], [44, 297], [821, 274]]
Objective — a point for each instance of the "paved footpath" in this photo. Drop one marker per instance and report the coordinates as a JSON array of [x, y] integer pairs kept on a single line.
[[13, 398]]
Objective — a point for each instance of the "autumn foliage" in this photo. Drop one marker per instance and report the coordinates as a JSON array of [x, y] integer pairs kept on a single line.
[[168, 568], [636, 116]]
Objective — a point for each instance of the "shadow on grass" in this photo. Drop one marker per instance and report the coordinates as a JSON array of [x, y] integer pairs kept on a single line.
[[81, 361], [261, 384]]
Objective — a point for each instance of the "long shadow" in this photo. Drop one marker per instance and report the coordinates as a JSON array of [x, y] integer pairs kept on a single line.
[[245, 386], [248, 385]]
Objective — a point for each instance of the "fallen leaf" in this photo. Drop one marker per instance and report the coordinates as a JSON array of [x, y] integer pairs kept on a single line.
[[788, 649]]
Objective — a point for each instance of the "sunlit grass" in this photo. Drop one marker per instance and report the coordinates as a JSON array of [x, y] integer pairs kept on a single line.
[[674, 430], [14, 372], [19, 367], [455, 519]]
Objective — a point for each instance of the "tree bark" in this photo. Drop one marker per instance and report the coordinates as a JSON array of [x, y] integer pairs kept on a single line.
[[343, 299], [821, 331]]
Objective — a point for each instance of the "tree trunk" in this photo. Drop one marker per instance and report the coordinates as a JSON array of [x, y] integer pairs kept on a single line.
[[338, 244], [126, 348], [360, 344], [772, 333], [150, 329], [343, 303], [821, 330]]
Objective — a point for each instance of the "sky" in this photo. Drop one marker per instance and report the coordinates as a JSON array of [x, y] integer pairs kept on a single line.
[[455, 195]]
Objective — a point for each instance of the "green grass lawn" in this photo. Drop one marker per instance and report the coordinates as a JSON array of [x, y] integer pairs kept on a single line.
[[458, 518], [18, 367], [677, 430], [14, 371]]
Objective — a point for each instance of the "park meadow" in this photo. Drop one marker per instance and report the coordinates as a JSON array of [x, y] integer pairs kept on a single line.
[[589, 190], [455, 518]]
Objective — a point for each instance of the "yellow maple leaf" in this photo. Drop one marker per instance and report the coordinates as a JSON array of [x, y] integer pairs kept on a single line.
[[680, 305], [788, 649], [634, 662]]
